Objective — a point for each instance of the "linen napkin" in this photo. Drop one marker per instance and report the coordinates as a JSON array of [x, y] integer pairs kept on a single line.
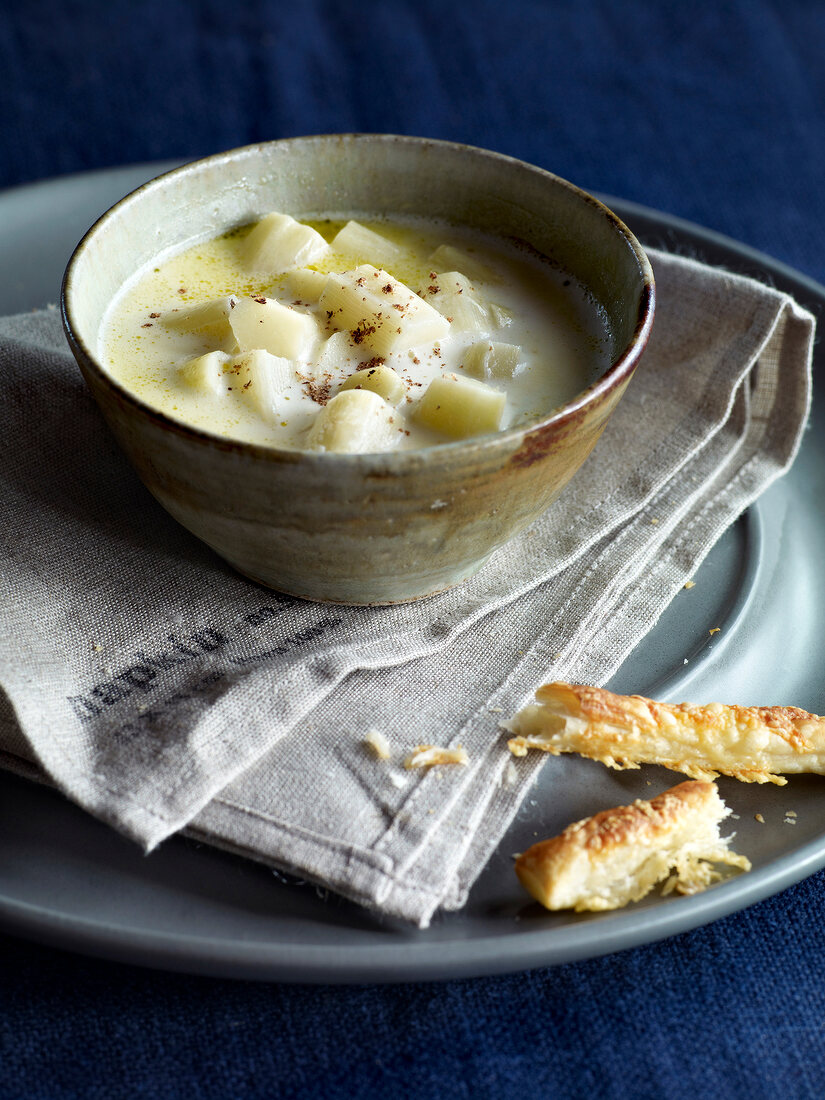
[[161, 691]]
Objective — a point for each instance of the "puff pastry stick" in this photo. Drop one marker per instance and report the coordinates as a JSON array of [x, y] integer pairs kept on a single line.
[[617, 856], [754, 744]]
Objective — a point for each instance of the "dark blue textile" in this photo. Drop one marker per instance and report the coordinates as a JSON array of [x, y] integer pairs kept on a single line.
[[710, 111], [734, 1010], [713, 111]]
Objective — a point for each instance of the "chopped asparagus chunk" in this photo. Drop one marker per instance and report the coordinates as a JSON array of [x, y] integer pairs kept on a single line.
[[382, 380], [379, 312], [278, 243], [460, 407], [365, 245], [454, 296], [337, 357], [279, 329], [306, 284], [210, 318], [262, 379], [355, 421], [205, 372], [492, 359]]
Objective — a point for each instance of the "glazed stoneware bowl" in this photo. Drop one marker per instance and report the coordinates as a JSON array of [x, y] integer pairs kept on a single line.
[[368, 528]]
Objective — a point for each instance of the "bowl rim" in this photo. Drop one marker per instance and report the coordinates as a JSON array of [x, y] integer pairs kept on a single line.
[[619, 370]]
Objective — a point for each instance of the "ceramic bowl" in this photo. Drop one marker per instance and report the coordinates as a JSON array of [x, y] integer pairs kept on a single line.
[[372, 528]]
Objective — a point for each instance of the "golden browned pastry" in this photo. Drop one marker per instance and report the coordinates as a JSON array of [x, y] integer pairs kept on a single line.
[[617, 856], [754, 744]]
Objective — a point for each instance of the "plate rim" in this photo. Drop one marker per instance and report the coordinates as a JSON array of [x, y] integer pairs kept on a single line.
[[396, 962]]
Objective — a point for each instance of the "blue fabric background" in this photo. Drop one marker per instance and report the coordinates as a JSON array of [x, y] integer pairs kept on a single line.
[[712, 111]]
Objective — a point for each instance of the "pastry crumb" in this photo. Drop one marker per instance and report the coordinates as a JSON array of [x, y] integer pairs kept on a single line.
[[759, 818], [377, 742], [509, 775], [427, 756], [689, 584]]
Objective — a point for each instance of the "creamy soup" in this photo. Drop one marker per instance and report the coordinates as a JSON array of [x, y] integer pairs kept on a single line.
[[353, 336]]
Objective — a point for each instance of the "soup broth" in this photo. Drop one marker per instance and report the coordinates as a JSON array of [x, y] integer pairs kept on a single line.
[[341, 335]]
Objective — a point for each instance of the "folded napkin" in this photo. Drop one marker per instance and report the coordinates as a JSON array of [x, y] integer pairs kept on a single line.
[[161, 691]]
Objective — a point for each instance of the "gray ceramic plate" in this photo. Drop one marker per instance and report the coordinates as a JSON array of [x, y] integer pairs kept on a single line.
[[65, 879]]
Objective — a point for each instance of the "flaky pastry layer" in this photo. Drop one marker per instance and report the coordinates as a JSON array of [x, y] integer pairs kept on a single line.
[[754, 744], [619, 855]]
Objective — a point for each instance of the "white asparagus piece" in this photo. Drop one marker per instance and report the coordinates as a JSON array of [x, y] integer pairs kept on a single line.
[[262, 379], [267, 323], [455, 297], [337, 358], [382, 380], [279, 242], [354, 422], [460, 407], [305, 284], [210, 318], [363, 245], [492, 359], [206, 372], [379, 312]]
